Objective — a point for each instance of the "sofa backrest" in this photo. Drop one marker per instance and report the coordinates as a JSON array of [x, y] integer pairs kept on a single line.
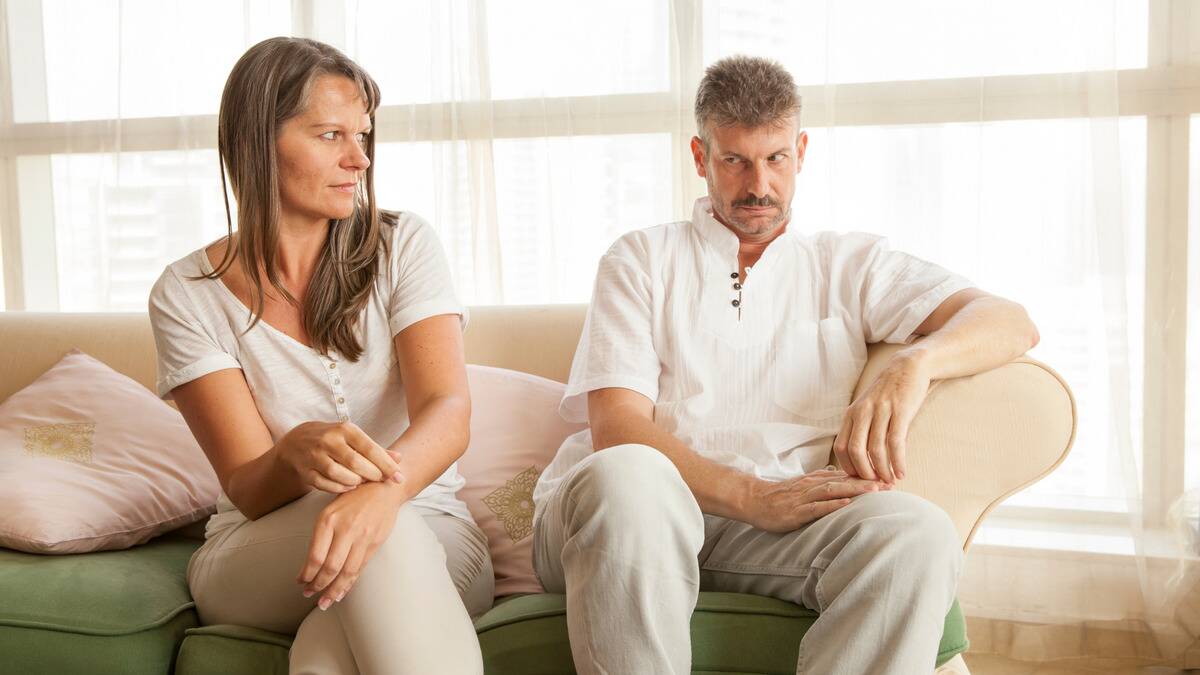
[[538, 339]]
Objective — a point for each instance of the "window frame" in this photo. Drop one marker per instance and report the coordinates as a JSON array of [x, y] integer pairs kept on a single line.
[[1166, 92]]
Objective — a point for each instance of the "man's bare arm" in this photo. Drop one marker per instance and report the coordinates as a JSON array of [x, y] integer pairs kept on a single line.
[[970, 332]]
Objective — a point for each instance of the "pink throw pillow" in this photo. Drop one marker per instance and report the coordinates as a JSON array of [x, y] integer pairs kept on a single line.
[[515, 431], [91, 460]]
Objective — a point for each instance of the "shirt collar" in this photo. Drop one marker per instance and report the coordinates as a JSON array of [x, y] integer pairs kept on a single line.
[[711, 230], [720, 237]]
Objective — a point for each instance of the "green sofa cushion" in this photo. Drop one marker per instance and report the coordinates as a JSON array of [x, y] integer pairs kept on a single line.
[[128, 612], [106, 612], [527, 635]]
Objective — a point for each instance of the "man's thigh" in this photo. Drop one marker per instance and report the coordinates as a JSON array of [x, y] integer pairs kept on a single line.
[[739, 558]]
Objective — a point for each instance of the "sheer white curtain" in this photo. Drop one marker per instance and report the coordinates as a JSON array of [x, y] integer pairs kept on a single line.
[[1041, 148]]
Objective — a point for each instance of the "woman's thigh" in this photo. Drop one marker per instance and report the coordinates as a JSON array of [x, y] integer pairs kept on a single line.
[[467, 559], [246, 574]]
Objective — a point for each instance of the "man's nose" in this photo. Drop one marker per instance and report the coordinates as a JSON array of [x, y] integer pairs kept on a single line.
[[758, 185]]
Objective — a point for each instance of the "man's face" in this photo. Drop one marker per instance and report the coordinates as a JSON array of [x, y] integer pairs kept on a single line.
[[751, 176]]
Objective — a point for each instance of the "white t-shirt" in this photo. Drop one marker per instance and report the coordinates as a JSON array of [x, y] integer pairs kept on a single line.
[[199, 328], [761, 384]]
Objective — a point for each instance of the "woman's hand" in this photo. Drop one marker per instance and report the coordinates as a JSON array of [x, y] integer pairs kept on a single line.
[[336, 457], [347, 533]]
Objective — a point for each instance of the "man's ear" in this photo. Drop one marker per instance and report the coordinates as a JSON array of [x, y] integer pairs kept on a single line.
[[698, 156], [801, 148]]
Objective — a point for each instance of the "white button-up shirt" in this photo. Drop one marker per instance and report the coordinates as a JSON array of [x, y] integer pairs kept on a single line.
[[754, 375], [199, 328]]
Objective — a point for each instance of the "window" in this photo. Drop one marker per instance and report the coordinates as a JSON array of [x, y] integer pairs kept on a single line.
[[532, 133]]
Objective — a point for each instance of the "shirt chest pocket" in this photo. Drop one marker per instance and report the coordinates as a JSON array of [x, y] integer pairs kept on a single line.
[[817, 365]]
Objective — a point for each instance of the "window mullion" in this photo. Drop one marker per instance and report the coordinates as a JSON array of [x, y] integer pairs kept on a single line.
[[1165, 328]]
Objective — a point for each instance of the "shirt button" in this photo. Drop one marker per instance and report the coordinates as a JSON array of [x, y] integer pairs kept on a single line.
[[737, 286], [337, 380], [343, 418], [733, 275], [332, 366], [341, 400], [736, 303]]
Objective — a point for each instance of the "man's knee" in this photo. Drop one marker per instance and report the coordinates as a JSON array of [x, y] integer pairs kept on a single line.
[[629, 486], [907, 526]]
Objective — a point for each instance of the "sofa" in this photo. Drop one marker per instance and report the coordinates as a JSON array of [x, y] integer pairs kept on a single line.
[[976, 441]]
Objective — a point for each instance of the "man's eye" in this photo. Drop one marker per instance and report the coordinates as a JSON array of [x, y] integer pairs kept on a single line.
[[362, 138], [329, 135], [775, 158]]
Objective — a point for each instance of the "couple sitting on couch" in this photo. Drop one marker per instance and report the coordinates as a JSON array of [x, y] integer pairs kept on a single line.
[[316, 355]]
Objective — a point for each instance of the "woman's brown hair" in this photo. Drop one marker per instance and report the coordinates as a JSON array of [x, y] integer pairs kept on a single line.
[[270, 84]]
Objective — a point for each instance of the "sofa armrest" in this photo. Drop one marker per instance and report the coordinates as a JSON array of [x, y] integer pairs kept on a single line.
[[978, 439]]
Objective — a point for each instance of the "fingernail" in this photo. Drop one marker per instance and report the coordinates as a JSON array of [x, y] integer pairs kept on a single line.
[[398, 477], [340, 596], [308, 594], [324, 604]]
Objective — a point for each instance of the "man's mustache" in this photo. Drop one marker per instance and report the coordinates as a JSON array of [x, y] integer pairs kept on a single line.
[[755, 202]]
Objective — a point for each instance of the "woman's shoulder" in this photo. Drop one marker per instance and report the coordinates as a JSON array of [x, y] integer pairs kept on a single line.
[[185, 276]]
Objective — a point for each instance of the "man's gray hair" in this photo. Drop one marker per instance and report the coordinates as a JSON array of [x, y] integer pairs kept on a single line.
[[747, 91]]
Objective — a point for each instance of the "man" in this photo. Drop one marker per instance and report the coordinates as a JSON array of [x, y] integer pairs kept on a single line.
[[716, 369]]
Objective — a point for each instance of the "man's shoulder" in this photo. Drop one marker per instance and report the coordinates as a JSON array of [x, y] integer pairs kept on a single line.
[[644, 244]]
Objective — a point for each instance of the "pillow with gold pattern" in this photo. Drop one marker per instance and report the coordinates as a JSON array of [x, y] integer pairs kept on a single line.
[[90, 460], [515, 431]]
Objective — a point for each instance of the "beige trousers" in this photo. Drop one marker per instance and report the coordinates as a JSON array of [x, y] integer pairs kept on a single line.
[[624, 538], [409, 612]]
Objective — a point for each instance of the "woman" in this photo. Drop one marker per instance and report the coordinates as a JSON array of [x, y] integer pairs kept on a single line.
[[316, 354]]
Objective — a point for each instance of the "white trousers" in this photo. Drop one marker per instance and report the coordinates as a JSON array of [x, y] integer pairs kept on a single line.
[[408, 613], [623, 537]]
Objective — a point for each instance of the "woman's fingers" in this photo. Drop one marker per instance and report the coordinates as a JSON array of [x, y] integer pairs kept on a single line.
[[318, 550], [335, 560], [379, 458]]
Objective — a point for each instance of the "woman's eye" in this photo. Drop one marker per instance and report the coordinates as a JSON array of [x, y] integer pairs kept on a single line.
[[362, 138], [329, 135]]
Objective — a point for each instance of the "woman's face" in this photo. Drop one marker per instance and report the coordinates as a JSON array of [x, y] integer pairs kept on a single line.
[[322, 153]]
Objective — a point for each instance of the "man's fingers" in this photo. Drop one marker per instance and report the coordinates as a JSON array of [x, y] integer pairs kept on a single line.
[[857, 448], [814, 510], [841, 446], [843, 489], [898, 445], [877, 444]]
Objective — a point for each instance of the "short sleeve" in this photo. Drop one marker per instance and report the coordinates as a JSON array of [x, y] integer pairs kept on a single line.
[[899, 291], [616, 348], [421, 285], [186, 349]]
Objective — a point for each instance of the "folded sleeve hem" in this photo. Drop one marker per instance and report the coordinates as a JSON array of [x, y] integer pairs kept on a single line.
[[206, 365], [423, 310], [924, 305], [573, 407]]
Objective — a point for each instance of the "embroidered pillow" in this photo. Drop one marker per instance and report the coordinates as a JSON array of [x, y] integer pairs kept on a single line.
[[91, 460], [515, 431]]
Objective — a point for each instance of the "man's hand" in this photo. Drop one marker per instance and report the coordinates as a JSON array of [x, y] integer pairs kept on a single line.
[[787, 505], [871, 443], [347, 533]]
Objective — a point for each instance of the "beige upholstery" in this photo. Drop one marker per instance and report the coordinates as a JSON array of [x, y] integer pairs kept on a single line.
[[976, 440]]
